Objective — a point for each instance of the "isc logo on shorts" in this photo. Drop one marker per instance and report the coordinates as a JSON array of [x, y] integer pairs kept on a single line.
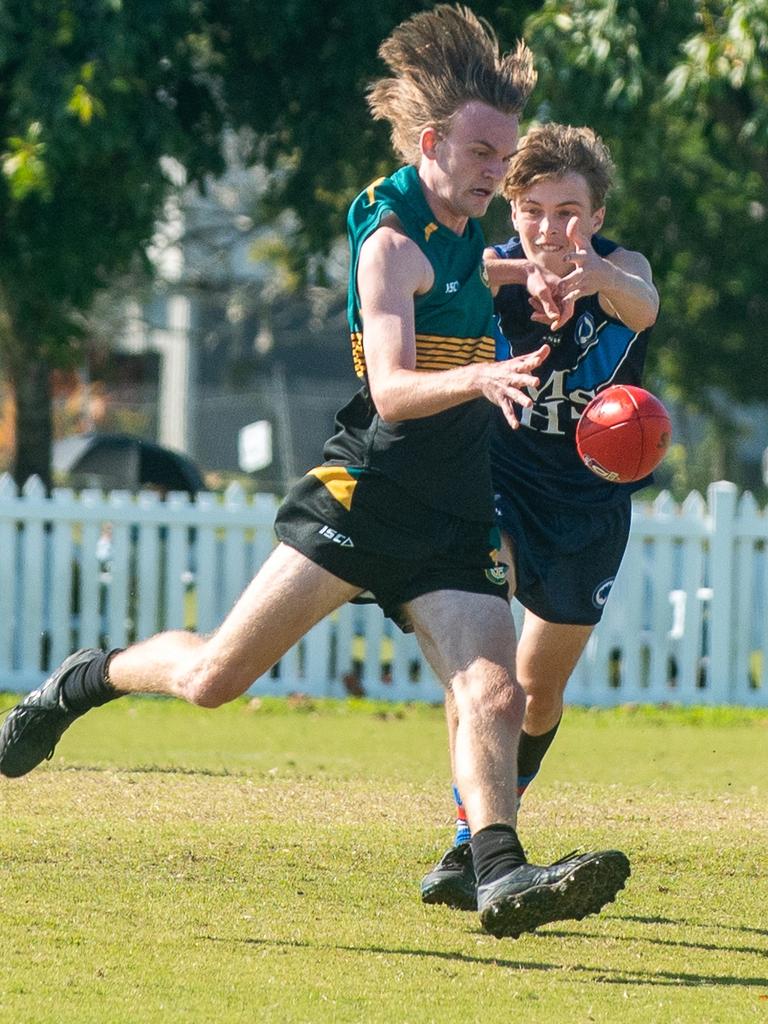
[[337, 538]]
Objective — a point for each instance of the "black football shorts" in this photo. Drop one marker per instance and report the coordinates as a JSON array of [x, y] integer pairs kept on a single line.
[[566, 559], [365, 529]]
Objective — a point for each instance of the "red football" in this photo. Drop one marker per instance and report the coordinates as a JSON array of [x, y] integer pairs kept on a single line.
[[623, 433]]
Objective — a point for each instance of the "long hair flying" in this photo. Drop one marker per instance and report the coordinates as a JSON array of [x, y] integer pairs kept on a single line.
[[440, 60]]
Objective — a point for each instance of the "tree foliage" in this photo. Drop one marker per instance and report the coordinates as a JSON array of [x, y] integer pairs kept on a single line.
[[679, 90], [94, 93]]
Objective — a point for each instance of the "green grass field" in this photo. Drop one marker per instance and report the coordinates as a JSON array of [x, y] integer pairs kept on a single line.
[[260, 863]]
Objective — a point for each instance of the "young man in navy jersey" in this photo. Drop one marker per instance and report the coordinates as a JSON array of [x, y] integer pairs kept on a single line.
[[564, 529]]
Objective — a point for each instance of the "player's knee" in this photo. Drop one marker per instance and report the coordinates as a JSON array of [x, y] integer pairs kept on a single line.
[[511, 703], [205, 686], [489, 693], [544, 703]]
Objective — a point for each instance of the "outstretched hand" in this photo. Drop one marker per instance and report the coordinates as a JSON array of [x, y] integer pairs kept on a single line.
[[503, 382], [545, 300], [542, 289], [589, 275]]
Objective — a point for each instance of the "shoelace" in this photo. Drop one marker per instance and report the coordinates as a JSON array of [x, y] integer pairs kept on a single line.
[[459, 855], [568, 856]]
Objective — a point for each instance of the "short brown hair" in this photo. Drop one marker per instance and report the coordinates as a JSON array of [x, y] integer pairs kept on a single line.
[[554, 150], [440, 60]]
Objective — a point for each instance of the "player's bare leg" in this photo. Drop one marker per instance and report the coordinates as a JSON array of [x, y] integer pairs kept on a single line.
[[286, 598], [469, 639], [513, 896], [546, 656]]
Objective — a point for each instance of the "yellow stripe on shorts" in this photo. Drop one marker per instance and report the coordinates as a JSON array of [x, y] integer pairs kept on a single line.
[[339, 482]]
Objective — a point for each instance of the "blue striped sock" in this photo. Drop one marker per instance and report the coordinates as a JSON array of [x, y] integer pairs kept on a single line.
[[463, 831]]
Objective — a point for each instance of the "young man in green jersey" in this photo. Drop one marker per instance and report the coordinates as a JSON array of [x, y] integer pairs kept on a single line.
[[402, 505]]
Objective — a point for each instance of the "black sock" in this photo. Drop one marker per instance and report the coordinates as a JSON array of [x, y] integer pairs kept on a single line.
[[530, 753], [496, 851], [87, 686]]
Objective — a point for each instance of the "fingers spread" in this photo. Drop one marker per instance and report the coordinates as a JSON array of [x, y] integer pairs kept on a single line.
[[510, 414], [574, 235]]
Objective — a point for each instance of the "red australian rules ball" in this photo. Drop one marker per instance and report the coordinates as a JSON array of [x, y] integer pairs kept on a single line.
[[623, 434]]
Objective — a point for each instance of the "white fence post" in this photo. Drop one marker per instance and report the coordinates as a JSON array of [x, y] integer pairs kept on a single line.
[[689, 628], [722, 504]]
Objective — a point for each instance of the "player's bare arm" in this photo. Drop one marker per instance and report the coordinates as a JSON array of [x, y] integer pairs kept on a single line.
[[391, 271], [622, 281], [540, 282]]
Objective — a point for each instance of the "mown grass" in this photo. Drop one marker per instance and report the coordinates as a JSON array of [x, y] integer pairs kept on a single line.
[[261, 863]]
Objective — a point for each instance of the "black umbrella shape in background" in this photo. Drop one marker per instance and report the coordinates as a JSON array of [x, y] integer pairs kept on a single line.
[[123, 462]]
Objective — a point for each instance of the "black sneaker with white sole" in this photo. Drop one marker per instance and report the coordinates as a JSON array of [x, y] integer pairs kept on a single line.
[[452, 881], [569, 889], [33, 728]]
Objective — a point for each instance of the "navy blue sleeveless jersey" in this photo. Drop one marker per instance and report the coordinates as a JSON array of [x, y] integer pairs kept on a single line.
[[589, 353]]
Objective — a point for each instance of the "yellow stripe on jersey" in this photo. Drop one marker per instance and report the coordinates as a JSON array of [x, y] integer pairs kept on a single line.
[[436, 353], [369, 192], [339, 482], [358, 356]]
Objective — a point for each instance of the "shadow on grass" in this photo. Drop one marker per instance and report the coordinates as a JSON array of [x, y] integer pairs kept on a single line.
[[688, 924], [150, 769], [710, 947], [670, 979], [436, 954]]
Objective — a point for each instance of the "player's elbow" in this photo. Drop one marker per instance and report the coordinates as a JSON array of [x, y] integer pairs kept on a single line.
[[652, 309], [640, 323], [644, 318], [650, 320], [388, 411], [389, 403]]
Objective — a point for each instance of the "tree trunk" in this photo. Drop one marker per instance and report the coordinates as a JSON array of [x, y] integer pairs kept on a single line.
[[34, 423]]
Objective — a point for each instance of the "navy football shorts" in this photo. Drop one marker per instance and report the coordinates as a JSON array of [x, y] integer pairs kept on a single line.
[[365, 529], [566, 559]]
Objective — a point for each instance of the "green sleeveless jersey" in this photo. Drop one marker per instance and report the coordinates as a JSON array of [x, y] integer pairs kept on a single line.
[[442, 459]]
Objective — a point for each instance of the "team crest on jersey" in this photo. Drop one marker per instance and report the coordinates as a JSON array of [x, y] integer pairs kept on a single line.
[[498, 574], [585, 330], [601, 592]]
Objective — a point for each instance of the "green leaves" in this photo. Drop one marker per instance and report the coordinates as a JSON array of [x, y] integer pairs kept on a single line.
[[23, 164], [94, 93], [83, 103]]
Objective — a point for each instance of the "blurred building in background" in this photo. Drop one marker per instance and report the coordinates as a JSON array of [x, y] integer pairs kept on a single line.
[[226, 338]]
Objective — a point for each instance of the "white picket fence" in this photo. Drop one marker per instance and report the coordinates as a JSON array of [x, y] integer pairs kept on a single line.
[[687, 621]]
